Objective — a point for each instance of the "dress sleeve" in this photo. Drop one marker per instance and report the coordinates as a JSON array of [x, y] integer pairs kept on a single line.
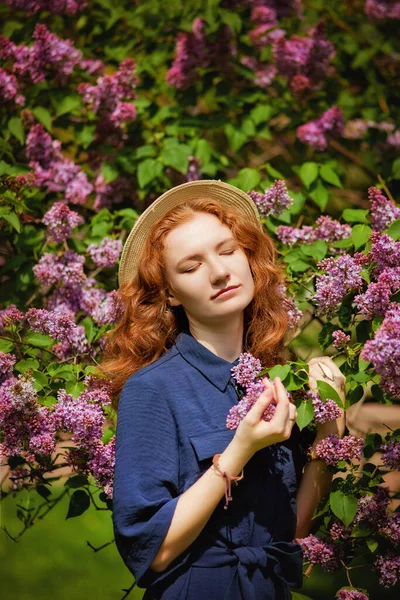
[[146, 476]]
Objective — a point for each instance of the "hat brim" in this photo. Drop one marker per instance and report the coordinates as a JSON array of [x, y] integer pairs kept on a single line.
[[204, 188]]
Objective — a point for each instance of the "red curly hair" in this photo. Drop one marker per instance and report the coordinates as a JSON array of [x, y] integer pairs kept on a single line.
[[148, 325]]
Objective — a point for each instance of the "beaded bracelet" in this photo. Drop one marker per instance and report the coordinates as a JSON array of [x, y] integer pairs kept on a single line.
[[227, 479]]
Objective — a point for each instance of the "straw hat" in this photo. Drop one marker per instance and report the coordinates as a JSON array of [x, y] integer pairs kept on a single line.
[[203, 188]]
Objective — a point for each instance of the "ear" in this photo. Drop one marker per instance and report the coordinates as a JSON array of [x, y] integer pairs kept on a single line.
[[172, 301]]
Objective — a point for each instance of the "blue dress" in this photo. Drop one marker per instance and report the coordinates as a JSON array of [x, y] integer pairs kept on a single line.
[[171, 422]]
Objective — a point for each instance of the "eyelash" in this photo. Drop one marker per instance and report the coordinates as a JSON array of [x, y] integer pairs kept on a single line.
[[194, 268]]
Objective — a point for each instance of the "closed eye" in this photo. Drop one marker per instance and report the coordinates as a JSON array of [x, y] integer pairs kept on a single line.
[[194, 268]]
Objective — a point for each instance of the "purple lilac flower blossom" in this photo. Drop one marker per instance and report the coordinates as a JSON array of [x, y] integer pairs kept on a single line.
[[342, 276], [194, 169], [388, 568], [60, 221], [263, 73], [195, 51], [240, 410], [67, 269], [83, 419], [60, 325], [391, 455], [293, 312], [347, 594], [379, 10], [391, 528], [48, 54], [55, 7], [383, 211], [246, 370], [109, 194], [383, 351], [9, 89], [108, 99], [304, 61], [7, 361], [327, 229], [106, 253], [317, 133], [274, 200], [320, 551], [324, 411], [332, 449], [109, 310], [340, 338], [376, 300], [265, 31], [373, 508], [339, 531], [384, 251], [10, 315], [52, 170], [27, 427], [101, 465]]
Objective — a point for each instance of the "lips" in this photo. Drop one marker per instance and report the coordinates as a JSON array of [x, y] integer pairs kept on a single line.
[[231, 287]]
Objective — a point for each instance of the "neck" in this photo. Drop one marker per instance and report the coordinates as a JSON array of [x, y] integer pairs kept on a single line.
[[224, 340]]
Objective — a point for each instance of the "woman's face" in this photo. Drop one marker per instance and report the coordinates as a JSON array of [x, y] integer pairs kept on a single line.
[[202, 258]]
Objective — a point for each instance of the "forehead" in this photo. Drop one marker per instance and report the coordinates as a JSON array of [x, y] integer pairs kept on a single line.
[[194, 235]]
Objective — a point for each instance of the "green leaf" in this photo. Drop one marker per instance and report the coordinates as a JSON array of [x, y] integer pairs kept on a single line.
[[320, 195], [236, 138], [107, 435], [280, 371], [372, 544], [394, 230], [273, 172], [396, 169], [305, 413], [326, 392], [360, 235], [329, 175], [41, 380], [344, 506], [308, 173], [316, 250], [355, 215], [86, 136], [76, 481], [232, 19], [25, 365], [66, 104], [110, 172], [176, 156], [298, 596], [43, 116], [78, 504], [360, 529], [39, 339], [260, 114], [89, 329], [248, 179], [75, 388], [16, 128], [13, 219], [6, 346], [148, 170]]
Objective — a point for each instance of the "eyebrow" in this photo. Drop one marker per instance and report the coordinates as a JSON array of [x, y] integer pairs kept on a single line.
[[194, 256]]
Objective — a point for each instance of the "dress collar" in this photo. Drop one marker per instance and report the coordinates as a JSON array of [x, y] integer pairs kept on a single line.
[[215, 369]]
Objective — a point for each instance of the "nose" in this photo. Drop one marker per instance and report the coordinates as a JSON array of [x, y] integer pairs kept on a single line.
[[218, 271]]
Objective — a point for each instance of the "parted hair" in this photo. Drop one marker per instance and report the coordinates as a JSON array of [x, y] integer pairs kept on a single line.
[[148, 326]]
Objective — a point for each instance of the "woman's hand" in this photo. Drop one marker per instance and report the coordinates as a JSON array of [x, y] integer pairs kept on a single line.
[[323, 368], [253, 432]]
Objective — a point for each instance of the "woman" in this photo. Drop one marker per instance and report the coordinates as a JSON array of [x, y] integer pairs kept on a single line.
[[201, 283]]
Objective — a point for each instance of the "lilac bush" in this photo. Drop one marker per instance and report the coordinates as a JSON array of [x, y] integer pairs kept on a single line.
[[295, 104]]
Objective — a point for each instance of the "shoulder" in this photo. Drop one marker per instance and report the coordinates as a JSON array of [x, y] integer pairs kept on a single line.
[[155, 374]]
